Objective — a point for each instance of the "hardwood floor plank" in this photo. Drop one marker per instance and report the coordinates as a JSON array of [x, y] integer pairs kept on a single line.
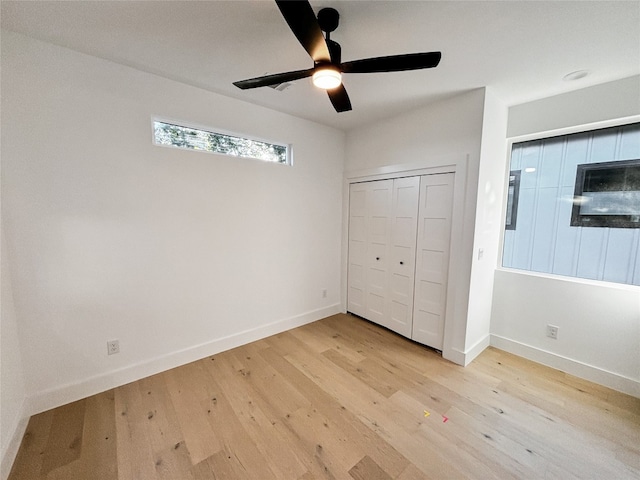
[[412, 473], [174, 462], [265, 380], [250, 407], [97, 458], [330, 338], [188, 390], [547, 435], [361, 372], [28, 463], [341, 398], [325, 441], [383, 453], [597, 421], [307, 476], [224, 466], [235, 416], [451, 439], [64, 444], [373, 410], [367, 469], [202, 471], [99, 449], [163, 426], [135, 456]]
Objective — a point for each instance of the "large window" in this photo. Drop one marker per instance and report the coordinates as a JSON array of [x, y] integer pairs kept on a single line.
[[574, 210], [196, 139]]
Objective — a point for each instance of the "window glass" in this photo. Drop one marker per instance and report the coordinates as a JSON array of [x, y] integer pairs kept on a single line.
[[574, 208], [195, 139], [607, 195], [512, 200]]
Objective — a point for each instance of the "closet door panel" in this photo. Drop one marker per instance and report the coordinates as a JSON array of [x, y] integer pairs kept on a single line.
[[432, 259], [378, 235], [432, 265], [357, 249], [406, 192]]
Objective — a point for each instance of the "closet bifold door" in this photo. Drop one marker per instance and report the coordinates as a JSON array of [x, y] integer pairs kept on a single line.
[[376, 260], [370, 206], [401, 270], [432, 259], [357, 249], [382, 242]]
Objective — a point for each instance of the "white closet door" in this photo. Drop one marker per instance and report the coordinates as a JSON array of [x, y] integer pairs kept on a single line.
[[378, 235], [432, 259], [357, 248], [402, 254]]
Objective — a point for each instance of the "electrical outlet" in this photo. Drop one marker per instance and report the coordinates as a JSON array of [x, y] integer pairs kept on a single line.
[[113, 346], [324, 293], [552, 331]]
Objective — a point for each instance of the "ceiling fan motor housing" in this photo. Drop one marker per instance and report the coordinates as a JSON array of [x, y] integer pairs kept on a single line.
[[328, 19]]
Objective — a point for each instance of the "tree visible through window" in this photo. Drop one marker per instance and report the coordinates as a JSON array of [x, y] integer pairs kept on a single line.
[[195, 139]]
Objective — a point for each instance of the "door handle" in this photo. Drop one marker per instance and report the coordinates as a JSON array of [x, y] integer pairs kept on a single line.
[[401, 263], [377, 258]]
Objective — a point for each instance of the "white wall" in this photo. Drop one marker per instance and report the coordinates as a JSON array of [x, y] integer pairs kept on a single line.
[[448, 132], [178, 254], [13, 418], [426, 136], [599, 336], [609, 100], [488, 222]]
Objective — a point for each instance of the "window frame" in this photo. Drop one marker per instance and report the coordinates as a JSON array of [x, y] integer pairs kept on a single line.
[[542, 135], [579, 219], [222, 132], [514, 199]]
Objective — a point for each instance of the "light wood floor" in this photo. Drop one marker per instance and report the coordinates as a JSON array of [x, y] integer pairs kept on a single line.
[[340, 399]]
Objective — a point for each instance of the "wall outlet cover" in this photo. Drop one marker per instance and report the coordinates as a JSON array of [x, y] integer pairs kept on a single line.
[[113, 346]]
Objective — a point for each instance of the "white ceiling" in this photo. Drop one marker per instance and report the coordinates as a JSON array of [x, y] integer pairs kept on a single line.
[[520, 48]]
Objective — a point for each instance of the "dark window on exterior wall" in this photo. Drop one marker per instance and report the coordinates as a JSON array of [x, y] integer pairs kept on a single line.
[[512, 200], [607, 194]]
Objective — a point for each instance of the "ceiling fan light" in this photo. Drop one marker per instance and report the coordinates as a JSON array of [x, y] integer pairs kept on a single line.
[[327, 78]]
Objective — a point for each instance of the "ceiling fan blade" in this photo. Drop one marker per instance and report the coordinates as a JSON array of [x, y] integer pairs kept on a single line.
[[304, 25], [275, 79], [393, 63], [339, 99]]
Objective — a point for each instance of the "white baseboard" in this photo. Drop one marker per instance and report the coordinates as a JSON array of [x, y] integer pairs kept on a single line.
[[454, 355], [477, 349], [465, 358], [579, 369], [64, 394], [10, 450]]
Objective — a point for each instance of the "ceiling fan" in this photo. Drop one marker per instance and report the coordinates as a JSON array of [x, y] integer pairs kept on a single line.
[[326, 54]]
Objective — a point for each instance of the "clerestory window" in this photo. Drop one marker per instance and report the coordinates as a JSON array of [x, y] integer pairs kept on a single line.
[[181, 136]]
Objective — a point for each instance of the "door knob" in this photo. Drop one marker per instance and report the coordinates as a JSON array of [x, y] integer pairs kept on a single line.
[[401, 263], [377, 258]]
